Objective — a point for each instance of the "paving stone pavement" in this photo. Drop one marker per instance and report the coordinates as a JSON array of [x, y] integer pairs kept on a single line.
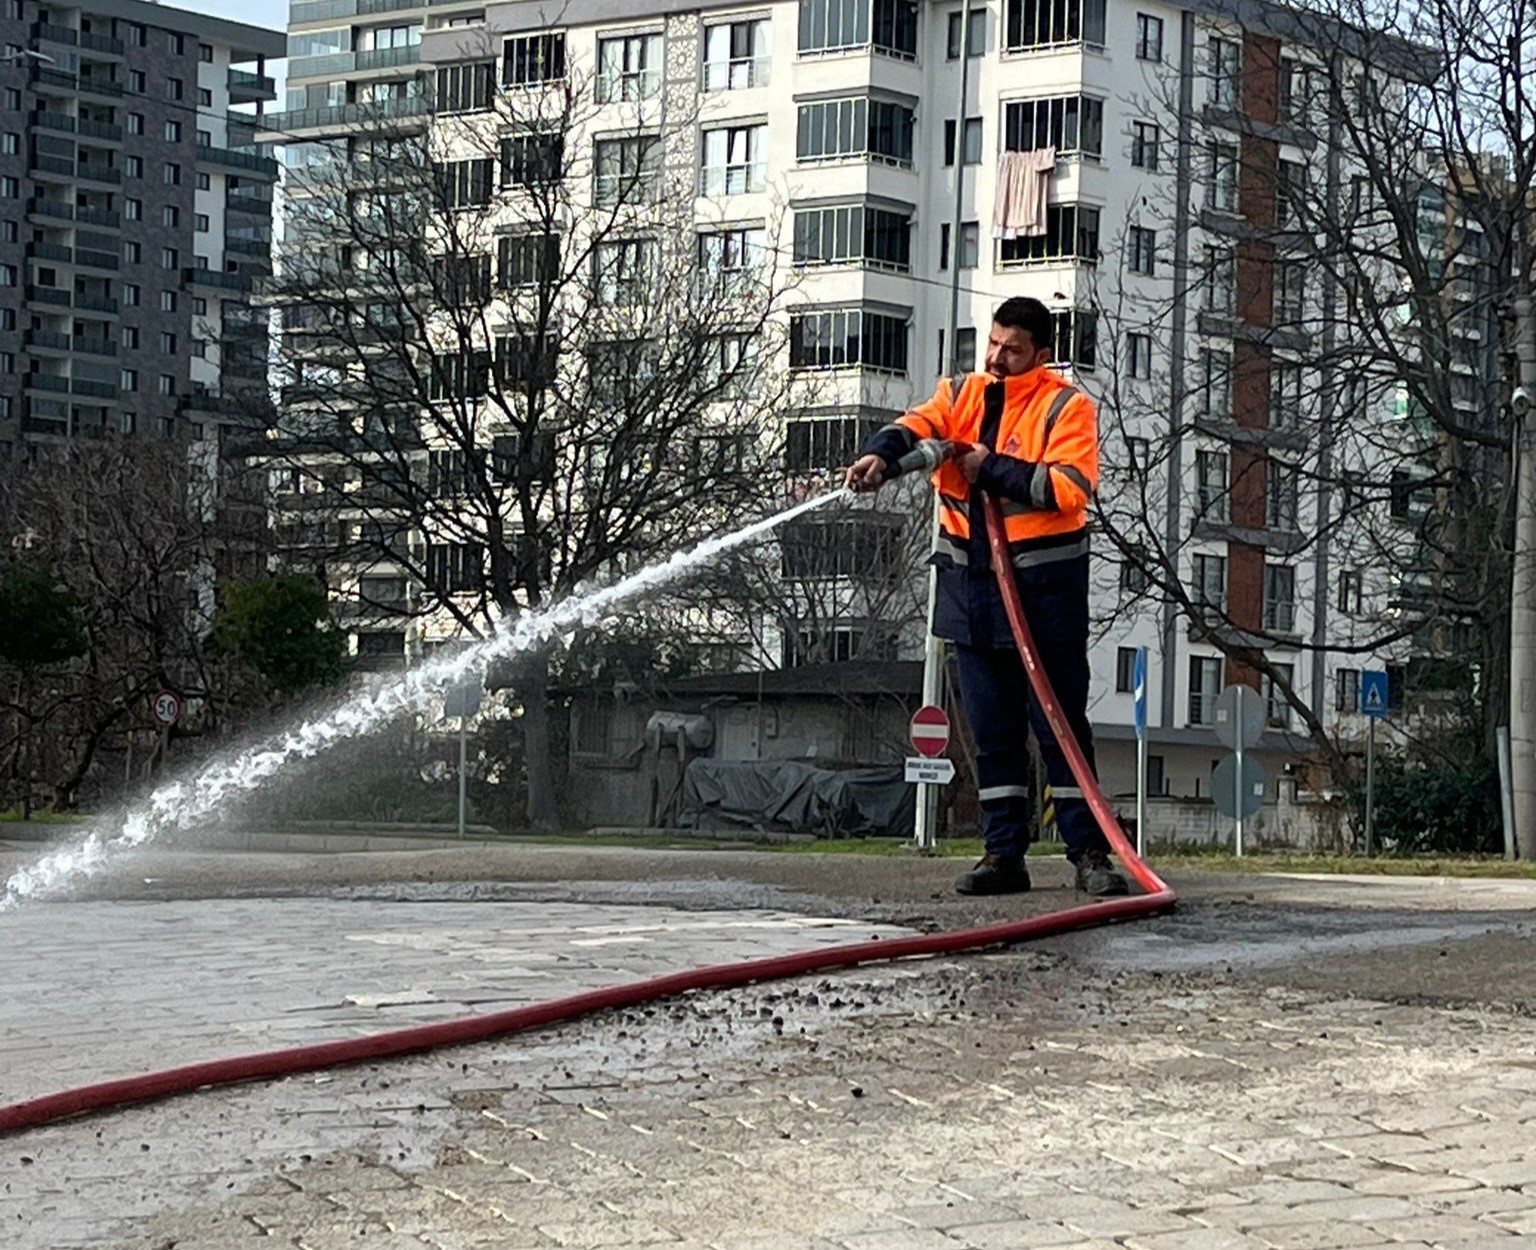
[[91, 991], [1015, 1099]]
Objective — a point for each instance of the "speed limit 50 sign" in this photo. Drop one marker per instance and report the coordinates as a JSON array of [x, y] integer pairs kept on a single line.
[[166, 708]]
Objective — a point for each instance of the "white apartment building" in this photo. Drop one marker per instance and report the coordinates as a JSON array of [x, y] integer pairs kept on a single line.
[[827, 133]]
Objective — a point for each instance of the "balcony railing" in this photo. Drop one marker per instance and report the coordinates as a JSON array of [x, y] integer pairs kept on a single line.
[[248, 204], [47, 339], [93, 389], [54, 121], [240, 282], [389, 58], [238, 160], [50, 251], [344, 115], [94, 303], [99, 130], [45, 207], [101, 43], [249, 247], [98, 260], [66, 35], [320, 10], [94, 347], [100, 84], [99, 217], [48, 295], [96, 172], [52, 165], [244, 81], [47, 382]]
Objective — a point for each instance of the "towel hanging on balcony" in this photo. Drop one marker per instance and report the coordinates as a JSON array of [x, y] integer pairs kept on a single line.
[[1023, 190]]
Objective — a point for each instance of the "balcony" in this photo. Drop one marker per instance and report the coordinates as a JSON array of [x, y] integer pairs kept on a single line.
[[46, 382], [230, 159], [248, 205], [47, 32], [50, 251], [344, 115], [47, 295], [91, 42], [327, 65], [218, 280], [248, 88], [53, 121], [98, 260], [99, 217], [320, 10], [56, 165], [54, 210], [95, 171], [99, 130], [99, 84], [89, 389], [94, 347], [96, 304], [202, 399], [259, 248], [47, 340], [388, 58]]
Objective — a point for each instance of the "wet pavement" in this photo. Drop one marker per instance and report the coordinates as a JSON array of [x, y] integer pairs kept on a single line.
[[1283, 1064]]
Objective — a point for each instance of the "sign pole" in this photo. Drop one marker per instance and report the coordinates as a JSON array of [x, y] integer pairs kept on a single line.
[[463, 756], [1238, 776], [1506, 791], [1140, 685], [1370, 783]]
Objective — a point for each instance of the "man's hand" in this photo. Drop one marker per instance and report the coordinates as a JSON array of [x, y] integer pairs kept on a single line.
[[971, 460], [865, 474]]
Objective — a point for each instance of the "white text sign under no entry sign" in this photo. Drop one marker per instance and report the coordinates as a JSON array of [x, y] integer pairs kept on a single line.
[[932, 772]]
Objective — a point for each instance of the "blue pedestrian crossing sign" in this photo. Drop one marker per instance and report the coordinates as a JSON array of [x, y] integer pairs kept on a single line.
[[1139, 688], [1373, 693]]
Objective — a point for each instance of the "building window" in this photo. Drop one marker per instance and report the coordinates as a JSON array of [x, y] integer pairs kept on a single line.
[[199, 306], [1125, 670], [964, 359], [1220, 281], [532, 159], [1073, 125], [205, 53], [1149, 37], [814, 444], [860, 127], [1277, 708], [1146, 145], [1050, 23], [1134, 578], [12, 144], [135, 123], [624, 272], [1226, 61], [133, 210], [888, 26], [172, 175], [167, 385], [167, 343], [1077, 338], [465, 88], [200, 223], [132, 252], [169, 258], [851, 234], [1281, 496], [627, 170], [1221, 185], [524, 260], [734, 160], [1143, 248], [628, 68], [1138, 355], [454, 568], [138, 83], [128, 380], [1298, 91], [1351, 591], [1285, 395], [205, 138], [205, 181], [1290, 194], [1204, 689], [176, 44], [1211, 485], [970, 245], [175, 89], [1346, 690], [532, 60], [736, 55], [130, 338], [170, 217], [1071, 233], [972, 142], [731, 261], [840, 338], [842, 547], [1279, 598], [976, 34], [465, 184], [167, 301], [130, 294], [1290, 293], [173, 132], [1138, 456]]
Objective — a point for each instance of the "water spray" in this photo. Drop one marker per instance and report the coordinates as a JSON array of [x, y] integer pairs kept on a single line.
[[178, 804]]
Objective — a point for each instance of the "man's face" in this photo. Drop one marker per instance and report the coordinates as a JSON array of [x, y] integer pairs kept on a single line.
[[1011, 352]]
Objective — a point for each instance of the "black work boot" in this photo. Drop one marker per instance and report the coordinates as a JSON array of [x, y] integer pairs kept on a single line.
[[1097, 876], [994, 874]]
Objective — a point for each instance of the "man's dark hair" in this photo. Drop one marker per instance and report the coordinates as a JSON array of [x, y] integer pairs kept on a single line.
[[1022, 312]]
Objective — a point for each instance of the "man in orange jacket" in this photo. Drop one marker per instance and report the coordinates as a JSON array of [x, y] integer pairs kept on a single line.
[[1030, 439]]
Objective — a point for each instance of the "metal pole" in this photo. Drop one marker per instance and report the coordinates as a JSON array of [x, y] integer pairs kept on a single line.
[[1522, 614], [1506, 791], [463, 769], [1237, 783], [927, 828], [1370, 784], [1141, 796]]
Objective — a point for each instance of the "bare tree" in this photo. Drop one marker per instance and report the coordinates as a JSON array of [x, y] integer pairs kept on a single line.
[[514, 361]]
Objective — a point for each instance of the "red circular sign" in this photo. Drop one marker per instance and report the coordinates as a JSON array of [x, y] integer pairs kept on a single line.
[[166, 707], [930, 731]]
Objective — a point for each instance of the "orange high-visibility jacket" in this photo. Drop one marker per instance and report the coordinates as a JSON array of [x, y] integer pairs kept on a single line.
[[1044, 432]]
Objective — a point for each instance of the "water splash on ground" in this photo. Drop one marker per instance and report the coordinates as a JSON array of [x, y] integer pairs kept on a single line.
[[179, 804]]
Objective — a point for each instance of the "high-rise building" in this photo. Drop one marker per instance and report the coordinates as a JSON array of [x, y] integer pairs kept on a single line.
[[1137, 165], [135, 216]]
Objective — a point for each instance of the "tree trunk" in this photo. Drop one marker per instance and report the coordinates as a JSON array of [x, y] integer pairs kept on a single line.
[[538, 760]]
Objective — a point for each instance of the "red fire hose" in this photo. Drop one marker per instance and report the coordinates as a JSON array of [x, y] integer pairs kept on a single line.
[[477, 1028]]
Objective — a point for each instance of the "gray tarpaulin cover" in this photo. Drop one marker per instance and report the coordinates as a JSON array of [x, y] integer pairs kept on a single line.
[[788, 794]]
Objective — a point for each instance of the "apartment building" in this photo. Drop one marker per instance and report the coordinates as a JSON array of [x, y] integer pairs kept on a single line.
[[1150, 153], [134, 218]]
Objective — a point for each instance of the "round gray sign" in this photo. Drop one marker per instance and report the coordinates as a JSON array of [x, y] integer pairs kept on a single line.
[[1239, 717], [1234, 798]]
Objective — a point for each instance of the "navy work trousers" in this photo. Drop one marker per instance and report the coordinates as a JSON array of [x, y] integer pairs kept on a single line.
[[1001, 709]]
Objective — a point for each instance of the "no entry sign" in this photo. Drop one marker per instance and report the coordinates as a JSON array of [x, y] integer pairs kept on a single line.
[[930, 731]]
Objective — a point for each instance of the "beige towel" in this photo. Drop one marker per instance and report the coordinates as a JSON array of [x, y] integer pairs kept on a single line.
[[1023, 191]]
